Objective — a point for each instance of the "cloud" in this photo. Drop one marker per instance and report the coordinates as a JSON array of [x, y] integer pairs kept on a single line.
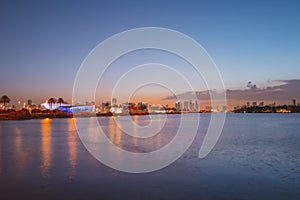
[[251, 86], [285, 91]]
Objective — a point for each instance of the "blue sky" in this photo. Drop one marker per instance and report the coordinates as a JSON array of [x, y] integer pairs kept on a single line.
[[43, 43]]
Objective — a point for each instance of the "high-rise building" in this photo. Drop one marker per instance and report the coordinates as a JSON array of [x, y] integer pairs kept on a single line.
[[185, 105], [196, 105], [114, 101], [142, 106], [178, 105], [29, 102], [294, 102], [191, 107], [208, 108], [224, 109]]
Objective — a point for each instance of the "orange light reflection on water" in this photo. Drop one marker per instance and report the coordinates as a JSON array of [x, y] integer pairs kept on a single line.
[[112, 129], [21, 160], [115, 136], [46, 147], [72, 144], [136, 123], [115, 133], [0, 150]]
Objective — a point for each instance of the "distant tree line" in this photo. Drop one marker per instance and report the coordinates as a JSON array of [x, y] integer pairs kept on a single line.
[[4, 100], [268, 109], [51, 101]]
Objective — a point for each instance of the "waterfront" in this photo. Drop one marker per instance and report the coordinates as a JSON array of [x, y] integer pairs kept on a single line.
[[256, 157]]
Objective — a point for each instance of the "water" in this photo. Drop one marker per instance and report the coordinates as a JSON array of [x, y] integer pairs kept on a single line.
[[256, 157]]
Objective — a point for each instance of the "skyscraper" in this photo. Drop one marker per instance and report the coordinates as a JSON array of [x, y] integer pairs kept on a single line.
[[29, 102], [178, 105], [114, 101], [196, 105], [191, 107], [186, 105]]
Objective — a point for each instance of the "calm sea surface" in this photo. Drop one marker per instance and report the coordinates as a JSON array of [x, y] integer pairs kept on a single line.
[[256, 157]]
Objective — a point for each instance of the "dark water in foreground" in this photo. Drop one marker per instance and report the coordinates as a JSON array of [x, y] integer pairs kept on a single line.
[[256, 157]]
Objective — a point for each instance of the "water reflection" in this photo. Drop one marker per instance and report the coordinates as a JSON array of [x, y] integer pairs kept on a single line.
[[20, 157], [112, 129], [72, 144], [118, 135], [115, 133], [0, 149], [46, 147], [115, 137], [135, 139]]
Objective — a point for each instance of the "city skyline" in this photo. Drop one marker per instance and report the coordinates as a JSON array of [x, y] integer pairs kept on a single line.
[[44, 43], [282, 93], [185, 104]]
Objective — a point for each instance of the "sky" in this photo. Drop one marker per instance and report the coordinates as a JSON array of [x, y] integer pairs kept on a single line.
[[43, 43]]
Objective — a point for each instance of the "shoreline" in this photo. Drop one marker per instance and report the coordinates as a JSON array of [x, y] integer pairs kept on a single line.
[[16, 116], [28, 116]]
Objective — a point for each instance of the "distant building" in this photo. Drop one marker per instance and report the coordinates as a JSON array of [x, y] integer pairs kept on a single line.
[[208, 108], [74, 109], [157, 109], [186, 105], [294, 102], [196, 105], [104, 107], [53, 106], [67, 107], [254, 104], [191, 107], [128, 105], [29, 102], [178, 105], [114, 101], [142, 106], [261, 104], [116, 110], [224, 109]]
